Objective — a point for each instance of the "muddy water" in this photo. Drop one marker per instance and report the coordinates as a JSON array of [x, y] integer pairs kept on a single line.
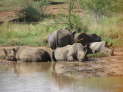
[[49, 77], [98, 75]]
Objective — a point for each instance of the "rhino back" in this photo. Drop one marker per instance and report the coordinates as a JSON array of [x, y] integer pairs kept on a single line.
[[97, 46], [62, 53], [32, 54], [60, 38], [79, 51], [64, 38]]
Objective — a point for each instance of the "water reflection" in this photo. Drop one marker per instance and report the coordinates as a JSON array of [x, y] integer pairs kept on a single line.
[[53, 77]]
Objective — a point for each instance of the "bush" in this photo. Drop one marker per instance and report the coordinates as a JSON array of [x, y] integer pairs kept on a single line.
[[34, 11], [78, 24]]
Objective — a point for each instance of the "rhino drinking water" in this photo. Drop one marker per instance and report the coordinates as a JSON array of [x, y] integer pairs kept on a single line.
[[70, 53], [27, 54], [101, 47]]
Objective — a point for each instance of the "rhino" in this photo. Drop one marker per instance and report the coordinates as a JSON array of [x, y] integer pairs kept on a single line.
[[70, 53], [86, 39], [101, 47], [60, 38], [28, 54]]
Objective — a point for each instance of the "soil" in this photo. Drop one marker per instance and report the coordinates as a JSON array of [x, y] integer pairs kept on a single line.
[[6, 16], [62, 9], [104, 66], [51, 9]]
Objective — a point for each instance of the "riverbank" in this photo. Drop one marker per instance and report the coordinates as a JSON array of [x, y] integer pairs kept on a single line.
[[95, 67]]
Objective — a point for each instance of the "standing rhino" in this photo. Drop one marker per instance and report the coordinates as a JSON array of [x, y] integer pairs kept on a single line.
[[60, 38], [86, 39], [70, 53], [27, 54], [100, 47]]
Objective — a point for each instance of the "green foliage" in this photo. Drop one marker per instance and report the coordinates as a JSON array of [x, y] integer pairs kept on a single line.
[[70, 8], [11, 4], [78, 24], [100, 7], [34, 11], [96, 55], [27, 34]]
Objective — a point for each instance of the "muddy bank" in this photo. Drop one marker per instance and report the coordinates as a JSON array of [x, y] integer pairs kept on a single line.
[[96, 67]]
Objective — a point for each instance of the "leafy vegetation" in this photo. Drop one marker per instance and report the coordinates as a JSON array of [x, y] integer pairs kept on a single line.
[[101, 8], [109, 28]]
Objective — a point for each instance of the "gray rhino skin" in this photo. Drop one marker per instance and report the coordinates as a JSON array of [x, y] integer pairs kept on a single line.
[[60, 38], [70, 53], [101, 47], [28, 54], [86, 39]]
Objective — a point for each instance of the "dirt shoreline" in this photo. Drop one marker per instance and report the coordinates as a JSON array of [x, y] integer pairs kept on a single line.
[[104, 66]]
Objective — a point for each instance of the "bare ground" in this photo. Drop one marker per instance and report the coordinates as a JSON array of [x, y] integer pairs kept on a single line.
[[105, 66], [51, 9]]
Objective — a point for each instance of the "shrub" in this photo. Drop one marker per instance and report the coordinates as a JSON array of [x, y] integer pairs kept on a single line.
[[34, 11], [78, 23]]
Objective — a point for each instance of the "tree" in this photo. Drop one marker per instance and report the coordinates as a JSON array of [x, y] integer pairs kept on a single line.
[[70, 8]]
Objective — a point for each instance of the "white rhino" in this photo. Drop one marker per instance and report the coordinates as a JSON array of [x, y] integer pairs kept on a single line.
[[100, 47], [60, 38], [70, 53], [27, 54]]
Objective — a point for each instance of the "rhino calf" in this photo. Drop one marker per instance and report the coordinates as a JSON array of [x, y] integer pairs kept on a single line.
[[101, 47], [28, 54], [70, 53]]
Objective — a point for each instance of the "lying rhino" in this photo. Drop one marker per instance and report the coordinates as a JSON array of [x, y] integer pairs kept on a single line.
[[86, 39], [100, 47], [60, 38], [70, 53], [27, 54]]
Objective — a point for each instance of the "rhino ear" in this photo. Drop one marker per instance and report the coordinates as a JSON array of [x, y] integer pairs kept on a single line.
[[5, 51], [108, 44], [15, 49]]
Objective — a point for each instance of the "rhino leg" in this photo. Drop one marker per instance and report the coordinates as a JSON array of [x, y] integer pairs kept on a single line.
[[70, 58]]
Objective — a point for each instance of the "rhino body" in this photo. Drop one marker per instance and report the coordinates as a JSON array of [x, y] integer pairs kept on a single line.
[[60, 38], [86, 39], [101, 47], [70, 53], [28, 54]]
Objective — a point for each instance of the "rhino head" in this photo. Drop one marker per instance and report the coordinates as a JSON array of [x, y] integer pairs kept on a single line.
[[10, 54]]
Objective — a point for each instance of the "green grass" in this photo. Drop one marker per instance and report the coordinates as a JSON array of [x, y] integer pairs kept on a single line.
[[97, 55], [110, 29], [11, 4], [58, 0], [27, 34], [7, 5]]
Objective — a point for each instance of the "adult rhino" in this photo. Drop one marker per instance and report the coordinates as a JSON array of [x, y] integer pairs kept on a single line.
[[70, 53], [101, 47], [28, 54], [86, 39], [60, 38]]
